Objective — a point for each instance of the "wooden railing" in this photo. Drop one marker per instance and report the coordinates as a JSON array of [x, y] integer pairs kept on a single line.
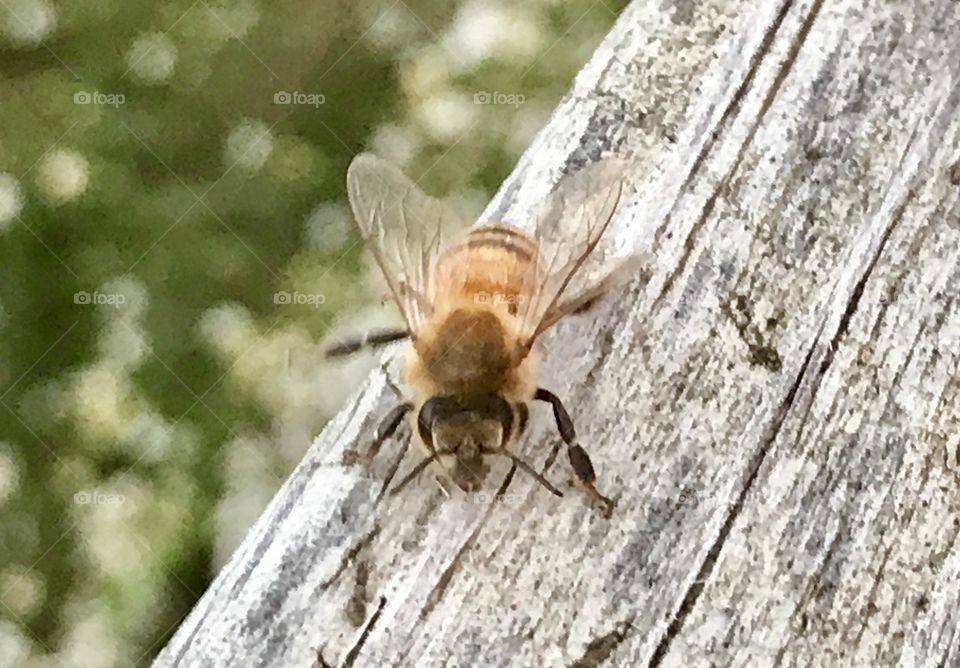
[[775, 410]]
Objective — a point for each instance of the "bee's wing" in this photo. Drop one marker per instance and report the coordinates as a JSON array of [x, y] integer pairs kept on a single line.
[[403, 228], [574, 267]]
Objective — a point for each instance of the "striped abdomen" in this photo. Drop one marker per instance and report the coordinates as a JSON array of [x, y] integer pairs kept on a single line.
[[495, 264]]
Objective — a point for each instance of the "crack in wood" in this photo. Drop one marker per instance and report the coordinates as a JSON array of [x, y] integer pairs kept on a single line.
[[440, 588], [870, 608], [854, 300], [350, 555], [443, 582], [706, 568], [351, 656], [765, 44], [785, 68], [799, 609], [392, 472]]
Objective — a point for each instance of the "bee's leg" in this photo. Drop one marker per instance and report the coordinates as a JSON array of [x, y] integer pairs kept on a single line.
[[417, 470], [529, 469], [384, 431], [374, 339], [579, 458]]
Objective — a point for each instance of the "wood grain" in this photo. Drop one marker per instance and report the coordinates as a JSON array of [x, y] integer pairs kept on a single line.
[[776, 410]]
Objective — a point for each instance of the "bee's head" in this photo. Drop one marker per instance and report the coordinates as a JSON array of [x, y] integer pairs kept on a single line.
[[462, 430]]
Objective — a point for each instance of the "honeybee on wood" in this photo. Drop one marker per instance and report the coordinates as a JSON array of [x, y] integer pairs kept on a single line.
[[474, 309]]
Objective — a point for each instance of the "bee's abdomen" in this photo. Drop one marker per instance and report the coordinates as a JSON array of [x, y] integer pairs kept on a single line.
[[467, 354], [500, 238], [494, 262]]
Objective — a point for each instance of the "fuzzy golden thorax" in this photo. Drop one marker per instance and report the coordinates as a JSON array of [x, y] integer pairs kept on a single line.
[[470, 350]]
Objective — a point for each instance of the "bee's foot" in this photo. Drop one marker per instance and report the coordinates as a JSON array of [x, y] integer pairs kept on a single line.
[[606, 504]]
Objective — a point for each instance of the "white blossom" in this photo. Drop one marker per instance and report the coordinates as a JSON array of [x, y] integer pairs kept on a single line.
[[11, 199], [63, 175], [248, 146], [152, 58], [328, 226], [28, 22]]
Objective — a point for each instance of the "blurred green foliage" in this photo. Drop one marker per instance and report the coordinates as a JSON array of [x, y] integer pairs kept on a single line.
[[175, 250]]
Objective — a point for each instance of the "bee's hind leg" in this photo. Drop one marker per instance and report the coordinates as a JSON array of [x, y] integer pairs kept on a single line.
[[579, 459], [384, 431], [373, 339]]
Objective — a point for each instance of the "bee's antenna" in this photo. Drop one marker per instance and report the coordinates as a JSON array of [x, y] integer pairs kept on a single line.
[[529, 469], [389, 381], [417, 470]]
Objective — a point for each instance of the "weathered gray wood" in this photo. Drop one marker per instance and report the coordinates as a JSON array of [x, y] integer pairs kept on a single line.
[[776, 412]]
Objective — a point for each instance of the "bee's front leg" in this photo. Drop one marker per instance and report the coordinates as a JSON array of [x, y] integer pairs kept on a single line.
[[385, 430], [579, 458]]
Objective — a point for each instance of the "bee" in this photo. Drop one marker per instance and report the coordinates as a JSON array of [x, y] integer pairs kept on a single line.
[[475, 303]]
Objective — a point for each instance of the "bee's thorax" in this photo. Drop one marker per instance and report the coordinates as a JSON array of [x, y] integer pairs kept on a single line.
[[467, 353]]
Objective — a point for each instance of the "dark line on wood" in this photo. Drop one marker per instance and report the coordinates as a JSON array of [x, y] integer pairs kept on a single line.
[[443, 582], [392, 471], [706, 568], [787, 66], [734, 104], [354, 652], [440, 588], [871, 608], [350, 555], [782, 73], [812, 582], [858, 289]]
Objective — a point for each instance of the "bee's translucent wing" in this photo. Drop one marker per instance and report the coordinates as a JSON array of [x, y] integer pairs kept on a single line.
[[403, 228], [574, 267]]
